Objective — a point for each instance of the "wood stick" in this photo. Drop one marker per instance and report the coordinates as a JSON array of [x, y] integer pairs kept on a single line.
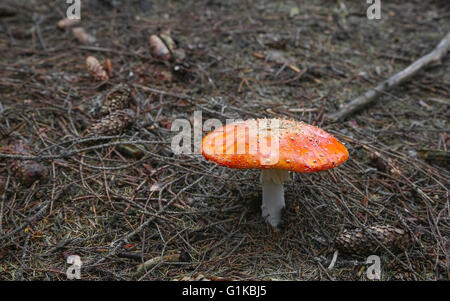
[[369, 97]]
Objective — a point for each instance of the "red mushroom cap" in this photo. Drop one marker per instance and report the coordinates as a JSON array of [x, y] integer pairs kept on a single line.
[[273, 144]]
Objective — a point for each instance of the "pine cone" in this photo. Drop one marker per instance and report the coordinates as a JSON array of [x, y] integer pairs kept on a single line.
[[95, 69], [29, 171], [358, 241], [117, 99], [112, 124]]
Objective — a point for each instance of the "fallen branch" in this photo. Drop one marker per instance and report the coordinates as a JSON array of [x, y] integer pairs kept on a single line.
[[367, 98]]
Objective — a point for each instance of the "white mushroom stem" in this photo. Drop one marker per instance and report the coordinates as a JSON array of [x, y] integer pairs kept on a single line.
[[273, 194]]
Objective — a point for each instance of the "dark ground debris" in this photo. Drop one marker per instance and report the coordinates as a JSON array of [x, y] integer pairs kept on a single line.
[[117, 205]]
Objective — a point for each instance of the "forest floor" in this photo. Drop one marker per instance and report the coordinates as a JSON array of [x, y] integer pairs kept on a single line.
[[118, 205]]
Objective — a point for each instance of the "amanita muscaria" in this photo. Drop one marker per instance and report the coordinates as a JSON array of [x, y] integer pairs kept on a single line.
[[276, 146]]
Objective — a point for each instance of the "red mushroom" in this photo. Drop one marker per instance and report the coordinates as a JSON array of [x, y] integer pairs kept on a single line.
[[276, 146]]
